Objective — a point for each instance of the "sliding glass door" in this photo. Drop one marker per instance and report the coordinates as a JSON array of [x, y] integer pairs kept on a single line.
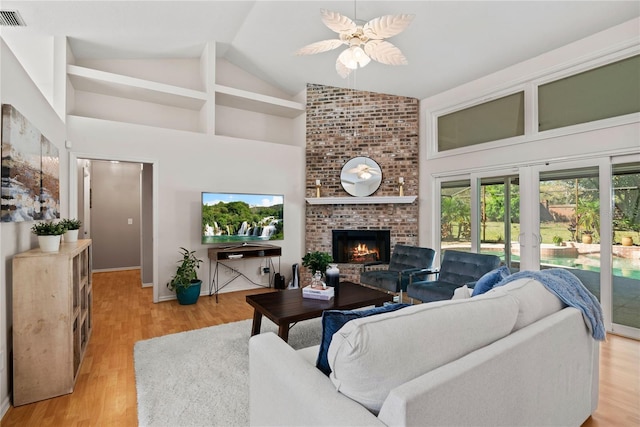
[[583, 216], [625, 271], [455, 215], [569, 225]]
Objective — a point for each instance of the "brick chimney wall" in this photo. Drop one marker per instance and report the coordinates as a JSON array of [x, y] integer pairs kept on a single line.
[[342, 124]]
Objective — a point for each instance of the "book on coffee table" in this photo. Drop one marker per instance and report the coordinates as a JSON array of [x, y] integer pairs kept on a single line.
[[316, 293]]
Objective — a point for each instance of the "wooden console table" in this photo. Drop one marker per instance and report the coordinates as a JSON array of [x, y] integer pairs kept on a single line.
[[221, 255]]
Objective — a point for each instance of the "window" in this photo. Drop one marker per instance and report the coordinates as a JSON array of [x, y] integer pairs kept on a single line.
[[497, 119], [608, 91]]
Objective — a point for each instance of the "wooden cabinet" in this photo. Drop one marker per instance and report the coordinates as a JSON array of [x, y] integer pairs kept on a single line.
[[52, 320]]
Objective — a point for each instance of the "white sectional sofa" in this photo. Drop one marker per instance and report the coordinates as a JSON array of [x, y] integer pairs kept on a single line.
[[515, 356]]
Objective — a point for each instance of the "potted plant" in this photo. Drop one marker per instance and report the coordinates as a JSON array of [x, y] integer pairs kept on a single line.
[[317, 261], [588, 218], [185, 282], [48, 233], [557, 240], [73, 226], [626, 227], [587, 237]]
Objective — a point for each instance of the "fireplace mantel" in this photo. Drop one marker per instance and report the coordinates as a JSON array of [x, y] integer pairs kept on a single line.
[[371, 200]]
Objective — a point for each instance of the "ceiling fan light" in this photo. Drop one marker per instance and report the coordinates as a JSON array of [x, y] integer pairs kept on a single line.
[[354, 57], [361, 57], [364, 175], [347, 58]]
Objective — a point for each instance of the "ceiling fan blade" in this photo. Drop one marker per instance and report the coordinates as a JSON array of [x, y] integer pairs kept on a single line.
[[384, 52], [336, 22], [343, 70], [386, 26], [319, 47]]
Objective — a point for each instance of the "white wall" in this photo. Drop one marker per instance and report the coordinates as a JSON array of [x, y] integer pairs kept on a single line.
[[185, 164], [188, 163], [615, 136], [17, 89]]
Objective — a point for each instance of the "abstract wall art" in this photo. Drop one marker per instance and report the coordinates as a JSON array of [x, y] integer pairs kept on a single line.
[[30, 171]]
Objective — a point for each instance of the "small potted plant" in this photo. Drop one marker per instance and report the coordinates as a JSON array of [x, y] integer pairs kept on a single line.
[[317, 261], [73, 226], [557, 240], [185, 282], [48, 233]]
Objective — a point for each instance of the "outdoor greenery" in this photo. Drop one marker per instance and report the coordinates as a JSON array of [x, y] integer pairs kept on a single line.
[[48, 228], [186, 273], [578, 198]]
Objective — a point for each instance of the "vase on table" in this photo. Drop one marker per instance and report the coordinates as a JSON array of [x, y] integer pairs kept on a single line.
[[70, 236], [49, 243], [333, 277]]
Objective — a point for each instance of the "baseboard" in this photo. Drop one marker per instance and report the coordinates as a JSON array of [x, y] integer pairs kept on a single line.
[[106, 270], [4, 407]]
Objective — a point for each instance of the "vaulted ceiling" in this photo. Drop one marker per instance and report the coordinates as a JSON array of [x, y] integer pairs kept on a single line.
[[447, 44]]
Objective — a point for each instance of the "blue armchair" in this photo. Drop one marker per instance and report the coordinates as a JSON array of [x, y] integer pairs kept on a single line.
[[457, 269], [405, 261]]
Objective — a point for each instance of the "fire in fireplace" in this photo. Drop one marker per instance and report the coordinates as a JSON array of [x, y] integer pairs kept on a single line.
[[361, 246]]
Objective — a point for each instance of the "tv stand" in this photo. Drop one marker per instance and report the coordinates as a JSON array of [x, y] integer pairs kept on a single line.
[[223, 254]]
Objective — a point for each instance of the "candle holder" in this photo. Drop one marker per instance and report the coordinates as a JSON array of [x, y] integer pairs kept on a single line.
[[318, 185], [401, 186]]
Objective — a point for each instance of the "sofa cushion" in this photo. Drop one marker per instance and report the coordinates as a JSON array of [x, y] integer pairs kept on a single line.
[[535, 301], [490, 279], [371, 356], [333, 320]]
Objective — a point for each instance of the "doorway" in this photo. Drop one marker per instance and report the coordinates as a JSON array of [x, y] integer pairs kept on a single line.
[[116, 201]]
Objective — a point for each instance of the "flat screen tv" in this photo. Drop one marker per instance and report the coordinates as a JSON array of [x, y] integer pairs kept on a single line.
[[241, 217]]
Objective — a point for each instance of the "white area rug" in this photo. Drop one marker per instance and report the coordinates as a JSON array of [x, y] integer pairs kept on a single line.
[[201, 377]]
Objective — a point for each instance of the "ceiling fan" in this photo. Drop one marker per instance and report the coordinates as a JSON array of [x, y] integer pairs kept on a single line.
[[364, 171], [365, 42]]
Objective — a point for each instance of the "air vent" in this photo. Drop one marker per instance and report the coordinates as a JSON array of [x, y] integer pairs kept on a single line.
[[11, 18]]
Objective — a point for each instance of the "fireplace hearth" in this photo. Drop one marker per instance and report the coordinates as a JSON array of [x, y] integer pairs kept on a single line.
[[361, 246]]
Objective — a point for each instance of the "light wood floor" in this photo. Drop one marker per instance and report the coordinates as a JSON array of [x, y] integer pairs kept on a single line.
[[105, 392]]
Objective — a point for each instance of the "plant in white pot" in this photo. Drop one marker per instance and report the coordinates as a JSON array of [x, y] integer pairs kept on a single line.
[[73, 227], [185, 282], [48, 233]]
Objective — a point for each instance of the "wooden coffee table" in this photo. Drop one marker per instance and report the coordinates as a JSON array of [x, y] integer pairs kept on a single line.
[[288, 306]]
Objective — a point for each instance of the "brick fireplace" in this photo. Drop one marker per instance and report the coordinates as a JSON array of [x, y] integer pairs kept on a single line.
[[342, 124], [361, 246]]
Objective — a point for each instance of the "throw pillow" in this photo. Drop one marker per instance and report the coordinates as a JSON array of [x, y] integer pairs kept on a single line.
[[463, 292], [333, 320], [490, 279]]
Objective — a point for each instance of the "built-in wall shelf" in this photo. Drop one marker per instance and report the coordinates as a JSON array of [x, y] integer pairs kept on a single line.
[[360, 200], [112, 84], [256, 102]]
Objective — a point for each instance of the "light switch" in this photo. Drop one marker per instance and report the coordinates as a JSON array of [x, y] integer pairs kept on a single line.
[[130, 221]]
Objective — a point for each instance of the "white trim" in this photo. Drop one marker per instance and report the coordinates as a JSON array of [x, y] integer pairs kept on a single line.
[[587, 63], [529, 84], [73, 163], [625, 331], [371, 200], [6, 404], [514, 166]]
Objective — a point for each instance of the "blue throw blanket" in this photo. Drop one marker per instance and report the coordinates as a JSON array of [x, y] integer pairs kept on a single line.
[[572, 292]]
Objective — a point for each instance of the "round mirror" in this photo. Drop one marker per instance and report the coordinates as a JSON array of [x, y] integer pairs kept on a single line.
[[361, 176]]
